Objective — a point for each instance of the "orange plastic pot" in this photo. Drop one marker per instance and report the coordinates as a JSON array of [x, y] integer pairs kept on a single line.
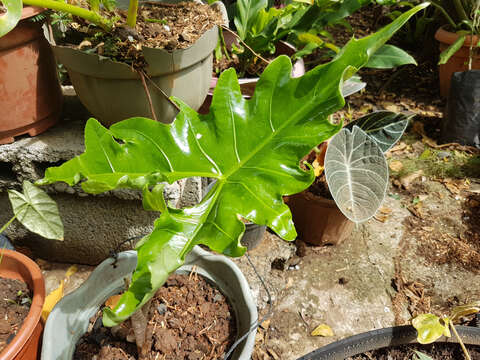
[[25, 345], [459, 60], [318, 221], [30, 95]]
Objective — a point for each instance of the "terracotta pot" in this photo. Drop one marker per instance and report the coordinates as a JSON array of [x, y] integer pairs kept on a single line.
[[30, 95], [247, 85], [318, 221], [459, 60], [25, 344]]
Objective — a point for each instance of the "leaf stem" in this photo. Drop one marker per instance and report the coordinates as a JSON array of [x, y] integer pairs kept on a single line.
[[132, 13], [465, 351], [442, 10], [4, 227], [244, 44], [88, 15]]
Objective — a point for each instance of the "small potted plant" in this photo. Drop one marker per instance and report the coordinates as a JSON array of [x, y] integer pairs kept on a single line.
[[30, 95], [459, 39], [352, 178], [39, 214], [126, 61], [251, 147], [426, 329]]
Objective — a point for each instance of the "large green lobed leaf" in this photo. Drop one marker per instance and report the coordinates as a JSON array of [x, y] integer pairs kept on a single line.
[[251, 147]]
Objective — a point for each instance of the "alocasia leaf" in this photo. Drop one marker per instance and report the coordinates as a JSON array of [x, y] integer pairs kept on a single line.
[[35, 210], [10, 19], [356, 173], [252, 147], [385, 127]]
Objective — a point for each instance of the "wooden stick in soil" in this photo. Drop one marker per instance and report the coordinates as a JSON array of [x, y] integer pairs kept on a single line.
[[465, 351], [243, 43], [147, 92], [160, 90]]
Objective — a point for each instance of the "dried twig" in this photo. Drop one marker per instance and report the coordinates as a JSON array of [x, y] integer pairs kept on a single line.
[[243, 43], [147, 92]]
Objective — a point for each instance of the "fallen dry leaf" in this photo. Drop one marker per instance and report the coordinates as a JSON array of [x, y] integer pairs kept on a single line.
[[396, 165], [408, 179], [54, 297], [381, 217], [322, 330], [112, 301], [385, 210], [399, 147]]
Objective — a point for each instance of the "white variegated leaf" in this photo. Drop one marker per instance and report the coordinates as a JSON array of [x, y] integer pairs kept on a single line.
[[356, 173]]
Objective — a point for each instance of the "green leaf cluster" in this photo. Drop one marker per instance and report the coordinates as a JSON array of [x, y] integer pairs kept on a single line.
[[252, 147]]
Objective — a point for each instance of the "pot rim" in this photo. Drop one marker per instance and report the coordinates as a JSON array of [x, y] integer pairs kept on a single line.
[[29, 11], [448, 37], [32, 275], [298, 67]]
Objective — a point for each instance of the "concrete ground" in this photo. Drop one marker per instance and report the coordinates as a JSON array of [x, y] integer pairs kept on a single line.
[[376, 278]]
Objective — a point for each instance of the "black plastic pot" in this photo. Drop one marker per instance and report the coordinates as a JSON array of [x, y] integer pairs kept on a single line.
[[387, 337], [461, 122]]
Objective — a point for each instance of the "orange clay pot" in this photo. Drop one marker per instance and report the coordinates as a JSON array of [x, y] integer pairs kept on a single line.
[[30, 95], [318, 221], [459, 60], [25, 345]]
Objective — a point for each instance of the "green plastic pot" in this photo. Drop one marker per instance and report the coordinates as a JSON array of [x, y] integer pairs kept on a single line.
[[113, 91], [70, 318]]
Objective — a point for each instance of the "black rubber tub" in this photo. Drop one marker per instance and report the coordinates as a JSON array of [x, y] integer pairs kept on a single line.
[[387, 337]]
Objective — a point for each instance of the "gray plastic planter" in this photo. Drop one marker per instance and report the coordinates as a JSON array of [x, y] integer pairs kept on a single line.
[[112, 91], [70, 318]]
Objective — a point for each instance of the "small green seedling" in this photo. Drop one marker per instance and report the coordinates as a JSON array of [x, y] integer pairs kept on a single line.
[[431, 327]]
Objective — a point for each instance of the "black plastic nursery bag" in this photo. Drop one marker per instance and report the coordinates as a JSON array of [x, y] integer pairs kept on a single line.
[[462, 121]]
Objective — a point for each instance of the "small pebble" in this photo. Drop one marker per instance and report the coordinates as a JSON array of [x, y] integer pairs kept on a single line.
[[162, 309], [443, 154]]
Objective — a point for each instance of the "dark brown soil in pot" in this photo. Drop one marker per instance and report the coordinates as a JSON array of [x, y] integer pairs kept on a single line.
[[189, 319], [437, 351], [159, 25], [15, 300]]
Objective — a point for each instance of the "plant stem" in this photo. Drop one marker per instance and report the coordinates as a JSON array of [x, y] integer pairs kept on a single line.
[[132, 13], [4, 227], [88, 15], [243, 43], [465, 351], [442, 10], [460, 10], [1, 232]]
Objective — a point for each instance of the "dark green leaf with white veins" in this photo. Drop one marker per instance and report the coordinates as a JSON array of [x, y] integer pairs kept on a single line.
[[36, 211], [385, 127], [251, 147], [356, 173]]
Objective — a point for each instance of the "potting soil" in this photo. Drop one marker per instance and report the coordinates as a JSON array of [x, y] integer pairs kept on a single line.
[[14, 307], [188, 318]]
